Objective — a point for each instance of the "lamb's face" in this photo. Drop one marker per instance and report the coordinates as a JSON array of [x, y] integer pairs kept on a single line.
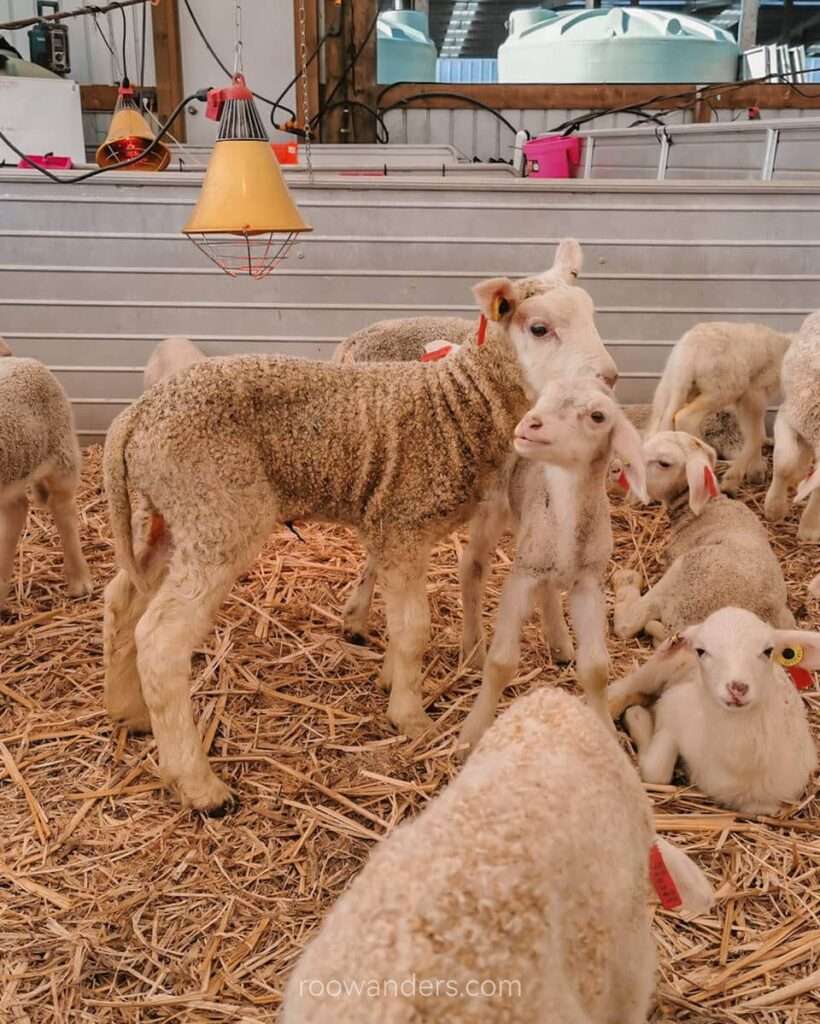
[[675, 462], [735, 650], [569, 425]]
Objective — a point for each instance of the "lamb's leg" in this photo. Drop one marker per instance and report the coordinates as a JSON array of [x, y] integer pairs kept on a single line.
[[632, 612], [751, 416], [664, 666], [588, 611], [657, 750], [690, 417], [486, 529], [791, 461], [178, 617], [12, 520], [555, 628], [809, 528], [503, 657], [61, 501], [408, 627], [357, 609], [123, 608]]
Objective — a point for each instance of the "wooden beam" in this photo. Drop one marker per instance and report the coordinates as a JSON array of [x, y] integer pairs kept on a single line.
[[104, 97], [168, 63], [364, 75], [311, 41]]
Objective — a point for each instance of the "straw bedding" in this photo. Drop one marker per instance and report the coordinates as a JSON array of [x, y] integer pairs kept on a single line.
[[117, 906]]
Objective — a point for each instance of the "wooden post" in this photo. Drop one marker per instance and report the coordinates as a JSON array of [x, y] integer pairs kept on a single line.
[[747, 30], [311, 40], [168, 63]]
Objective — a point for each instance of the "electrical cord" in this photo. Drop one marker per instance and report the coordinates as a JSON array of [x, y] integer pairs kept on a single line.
[[380, 125], [142, 52], [449, 95], [200, 94], [277, 103], [124, 35]]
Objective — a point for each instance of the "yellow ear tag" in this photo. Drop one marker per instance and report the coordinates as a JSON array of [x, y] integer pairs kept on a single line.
[[499, 308], [790, 656]]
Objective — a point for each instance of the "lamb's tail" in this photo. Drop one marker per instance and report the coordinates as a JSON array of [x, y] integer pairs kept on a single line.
[[115, 476], [672, 392]]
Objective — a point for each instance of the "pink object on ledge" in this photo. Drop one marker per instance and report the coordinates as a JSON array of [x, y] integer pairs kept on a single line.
[[553, 156], [51, 162]]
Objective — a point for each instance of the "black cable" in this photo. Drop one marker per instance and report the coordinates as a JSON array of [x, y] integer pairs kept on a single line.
[[142, 53], [385, 138], [124, 35], [342, 80], [277, 103], [108, 45], [450, 95], [201, 95]]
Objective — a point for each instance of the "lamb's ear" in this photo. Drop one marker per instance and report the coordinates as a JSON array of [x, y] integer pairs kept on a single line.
[[691, 891], [797, 647], [700, 475], [627, 446], [496, 298], [568, 261], [808, 485]]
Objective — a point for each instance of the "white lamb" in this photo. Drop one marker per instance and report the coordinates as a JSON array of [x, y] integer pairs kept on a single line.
[[718, 366], [169, 357], [728, 708], [556, 501], [518, 895], [718, 551], [797, 432], [40, 452]]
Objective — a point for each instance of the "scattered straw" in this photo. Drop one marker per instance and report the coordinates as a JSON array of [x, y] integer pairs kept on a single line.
[[115, 906]]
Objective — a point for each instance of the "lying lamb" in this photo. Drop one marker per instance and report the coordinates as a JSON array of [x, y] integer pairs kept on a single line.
[[529, 872], [40, 451], [556, 501], [267, 440], [720, 430], [728, 708], [169, 357], [716, 366], [797, 432], [718, 551]]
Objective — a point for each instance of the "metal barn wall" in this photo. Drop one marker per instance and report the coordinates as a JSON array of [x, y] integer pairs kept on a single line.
[[92, 277]]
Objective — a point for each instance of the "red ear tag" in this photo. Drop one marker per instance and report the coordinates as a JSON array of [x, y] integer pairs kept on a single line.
[[801, 677], [436, 354], [662, 881], [711, 482], [481, 336], [623, 482]]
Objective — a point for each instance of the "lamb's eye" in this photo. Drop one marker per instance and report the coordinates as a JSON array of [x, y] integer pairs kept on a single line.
[[768, 652], [700, 652], [539, 330], [662, 464], [597, 416]]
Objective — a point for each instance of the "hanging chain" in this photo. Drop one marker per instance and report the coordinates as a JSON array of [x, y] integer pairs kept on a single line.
[[237, 37], [305, 90]]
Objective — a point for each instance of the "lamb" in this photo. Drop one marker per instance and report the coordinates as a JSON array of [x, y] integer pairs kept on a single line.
[[720, 430], [556, 498], [718, 552], [727, 707], [39, 451], [267, 440], [715, 366], [169, 357], [517, 895], [797, 432], [4, 348]]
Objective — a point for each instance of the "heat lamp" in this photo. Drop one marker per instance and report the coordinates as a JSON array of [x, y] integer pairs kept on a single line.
[[129, 135], [245, 220]]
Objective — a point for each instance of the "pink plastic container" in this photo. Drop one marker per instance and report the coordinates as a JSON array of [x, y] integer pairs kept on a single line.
[[553, 156]]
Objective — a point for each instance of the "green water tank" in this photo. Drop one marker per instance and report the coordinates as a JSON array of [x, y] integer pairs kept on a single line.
[[404, 50], [615, 44]]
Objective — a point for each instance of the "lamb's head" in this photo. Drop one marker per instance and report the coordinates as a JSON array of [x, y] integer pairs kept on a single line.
[[550, 322], [577, 422], [4, 349], [675, 462], [740, 656]]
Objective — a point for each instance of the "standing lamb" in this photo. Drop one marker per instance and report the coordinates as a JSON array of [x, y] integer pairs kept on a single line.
[[718, 552], [797, 432], [717, 366], [518, 895], [556, 501], [169, 357], [727, 707], [401, 453], [39, 451]]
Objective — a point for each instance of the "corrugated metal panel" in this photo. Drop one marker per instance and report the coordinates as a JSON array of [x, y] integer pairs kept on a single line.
[[92, 277]]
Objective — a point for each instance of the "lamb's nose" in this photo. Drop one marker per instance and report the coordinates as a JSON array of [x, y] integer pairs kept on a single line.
[[738, 689], [534, 422], [610, 380]]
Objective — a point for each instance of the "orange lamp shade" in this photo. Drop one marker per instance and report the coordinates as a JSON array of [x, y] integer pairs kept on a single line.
[[129, 134]]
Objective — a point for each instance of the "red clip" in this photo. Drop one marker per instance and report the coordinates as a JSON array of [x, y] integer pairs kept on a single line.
[[801, 677], [481, 335], [662, 881], [216, 102], [436, 354], [623, 482], [711, 483]]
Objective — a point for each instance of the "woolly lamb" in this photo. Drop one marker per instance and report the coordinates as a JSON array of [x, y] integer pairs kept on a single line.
[[715, 366], [719, 429], [402, 453], [728, 709], [169, 357], [718, 552], [39, 451], [519, 894], [797, 432], [556, 500]]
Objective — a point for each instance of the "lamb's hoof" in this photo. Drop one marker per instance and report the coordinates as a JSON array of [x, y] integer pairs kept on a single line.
[[81, 587], [757, 474], [414, 725], [562, 654], [229, 806], [213, 799], [808, 533], [774, 511], [474, 658], [359, 639], [730, 485], [137, 725], [384, 682], [624, 579]]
